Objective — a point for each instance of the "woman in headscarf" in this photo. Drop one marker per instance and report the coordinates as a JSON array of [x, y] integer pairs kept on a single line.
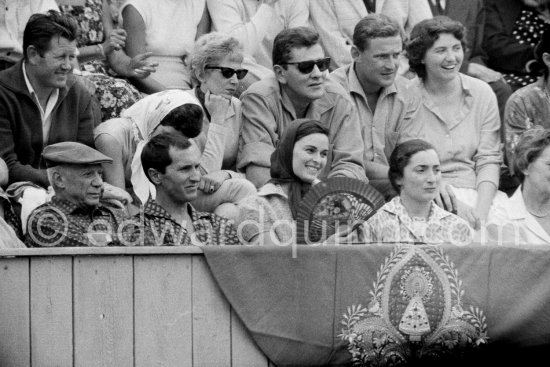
[[269, 217], [172, 111]]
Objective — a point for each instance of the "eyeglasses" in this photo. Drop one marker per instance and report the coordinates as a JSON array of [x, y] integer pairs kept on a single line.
[[228, 72], [306, 67]]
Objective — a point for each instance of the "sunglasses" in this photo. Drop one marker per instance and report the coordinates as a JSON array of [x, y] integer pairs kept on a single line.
[[228, 72], [306, 67]]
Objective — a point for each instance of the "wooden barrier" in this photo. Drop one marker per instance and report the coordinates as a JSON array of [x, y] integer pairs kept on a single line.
[[156, 306]]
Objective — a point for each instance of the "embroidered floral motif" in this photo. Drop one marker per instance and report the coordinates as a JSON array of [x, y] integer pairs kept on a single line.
[[415, 312]]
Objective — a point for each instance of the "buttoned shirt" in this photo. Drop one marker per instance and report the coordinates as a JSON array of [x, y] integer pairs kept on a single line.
[[14, 15], [267, 111], [468, 143], [394, 119], [526, 108], [163, 230], [392, 223], [64, 224], [47, 113]]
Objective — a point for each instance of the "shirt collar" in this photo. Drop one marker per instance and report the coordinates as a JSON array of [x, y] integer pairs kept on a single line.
[[55, 93], [152, 208], [68, 207], [396, 207]]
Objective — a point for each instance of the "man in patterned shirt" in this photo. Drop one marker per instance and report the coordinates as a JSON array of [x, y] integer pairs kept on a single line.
[[171, 163], [75, 216]]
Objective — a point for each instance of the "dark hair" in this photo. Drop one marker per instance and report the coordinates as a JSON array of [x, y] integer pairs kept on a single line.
[[424, 35], [187, 119], [156, 153], [529, 147], [41, 28], [291, 38], [401, 156], [375, 26], [309, 127], [543, 46]]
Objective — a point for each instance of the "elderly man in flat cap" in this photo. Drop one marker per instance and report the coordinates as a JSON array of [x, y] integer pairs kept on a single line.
[[75, 216]]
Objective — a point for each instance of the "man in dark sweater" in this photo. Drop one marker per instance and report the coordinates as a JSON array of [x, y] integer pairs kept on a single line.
[[41, 101]]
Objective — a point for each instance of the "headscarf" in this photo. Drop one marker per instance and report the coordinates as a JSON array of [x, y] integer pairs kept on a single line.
[[281, 167], [146, 115]]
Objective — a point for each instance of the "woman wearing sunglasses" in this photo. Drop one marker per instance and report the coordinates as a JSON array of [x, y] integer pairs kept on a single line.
[[216, 69]]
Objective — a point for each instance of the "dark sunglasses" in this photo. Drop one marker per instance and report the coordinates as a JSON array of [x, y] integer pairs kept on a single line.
[[306, 67], [228, 72]]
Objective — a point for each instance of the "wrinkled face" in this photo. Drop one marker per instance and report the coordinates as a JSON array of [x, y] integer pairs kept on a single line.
[[537, 173], [421, 177], [444, 58], [82, 184], [180, 181], [309, 156], [213, 80], [303, 87], [376, 67], [52, 69]]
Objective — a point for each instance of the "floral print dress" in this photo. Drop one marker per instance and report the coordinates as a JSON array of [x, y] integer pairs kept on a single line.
[[114, 94]]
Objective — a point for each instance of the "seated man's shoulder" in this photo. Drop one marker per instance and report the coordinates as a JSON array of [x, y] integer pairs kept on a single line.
[[264, 87], [340, 75]]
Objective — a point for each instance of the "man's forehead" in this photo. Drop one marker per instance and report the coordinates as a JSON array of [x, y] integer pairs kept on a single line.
[[60, 44], [185, 157], [306, 53], [385, 43]]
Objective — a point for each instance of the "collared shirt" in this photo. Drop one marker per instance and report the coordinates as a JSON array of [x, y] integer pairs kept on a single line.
[[267, 111], [14, 15], [510, 222], [63, 224], [163, 230], [394, 120], [45, 114], [468, 143], [526, 108], [392, 223]]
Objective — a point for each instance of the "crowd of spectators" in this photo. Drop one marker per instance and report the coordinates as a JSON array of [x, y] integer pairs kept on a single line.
[[206, 122]]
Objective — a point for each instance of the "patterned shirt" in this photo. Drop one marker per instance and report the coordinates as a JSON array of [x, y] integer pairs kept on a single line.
[[61, 223], [161, 229], [392, 223]]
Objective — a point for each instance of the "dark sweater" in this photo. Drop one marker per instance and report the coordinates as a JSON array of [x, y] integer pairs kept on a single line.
[[21, 143]]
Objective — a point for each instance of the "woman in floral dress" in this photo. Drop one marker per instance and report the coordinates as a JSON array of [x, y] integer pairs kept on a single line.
[[97, 43]]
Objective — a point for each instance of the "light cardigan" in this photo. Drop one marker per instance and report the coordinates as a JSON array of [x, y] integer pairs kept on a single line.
[[469, 144], [513, 224]]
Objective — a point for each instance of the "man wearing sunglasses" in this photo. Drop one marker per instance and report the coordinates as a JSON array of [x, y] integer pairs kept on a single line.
[[299, 89], [384, 100]]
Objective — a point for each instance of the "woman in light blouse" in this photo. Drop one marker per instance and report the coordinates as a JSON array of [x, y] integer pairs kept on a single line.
[[461, 118]]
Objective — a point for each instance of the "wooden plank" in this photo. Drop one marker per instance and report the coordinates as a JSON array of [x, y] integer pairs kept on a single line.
[[211, 319], [163, 319], [14, 313], [109, 251], [103, 311], [244, 352], [52, 311]]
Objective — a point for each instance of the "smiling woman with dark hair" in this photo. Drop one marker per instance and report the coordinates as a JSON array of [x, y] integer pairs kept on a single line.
[[461, 119], [300, 156]]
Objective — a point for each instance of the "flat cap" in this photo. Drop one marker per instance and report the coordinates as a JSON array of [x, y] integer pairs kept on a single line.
[[70, 152]]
